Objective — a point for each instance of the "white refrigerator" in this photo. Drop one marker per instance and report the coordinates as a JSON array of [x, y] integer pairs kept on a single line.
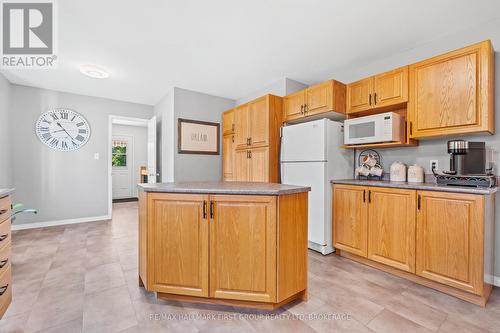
[[311, 156]]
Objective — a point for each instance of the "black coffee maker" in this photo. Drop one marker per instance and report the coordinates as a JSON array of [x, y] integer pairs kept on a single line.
[[467, 158], [469, 165]]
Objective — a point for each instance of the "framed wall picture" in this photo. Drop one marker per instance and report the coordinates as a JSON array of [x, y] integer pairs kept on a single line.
[[198, 137]]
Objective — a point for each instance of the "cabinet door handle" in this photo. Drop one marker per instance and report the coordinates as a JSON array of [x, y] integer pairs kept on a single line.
[[369, 196], [364, 195], [375, 98], [204, 209], [370, 99], [3, 289], [305, 108], [3, 263], [3, 211], [2, 238], [232, 138], [418, 201], [211, 209], [249, 154], [232, 127], [411, 127]]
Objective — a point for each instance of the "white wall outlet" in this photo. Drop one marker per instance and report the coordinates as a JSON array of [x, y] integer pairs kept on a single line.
[[96, 156], [433, 165]]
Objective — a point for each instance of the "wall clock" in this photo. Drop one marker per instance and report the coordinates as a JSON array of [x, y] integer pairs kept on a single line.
[[62, 129]]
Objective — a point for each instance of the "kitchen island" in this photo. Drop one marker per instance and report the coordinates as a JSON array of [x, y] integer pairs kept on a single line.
[[233, 243]]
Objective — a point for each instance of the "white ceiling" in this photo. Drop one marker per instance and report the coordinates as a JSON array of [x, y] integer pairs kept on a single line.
[[230, 48]]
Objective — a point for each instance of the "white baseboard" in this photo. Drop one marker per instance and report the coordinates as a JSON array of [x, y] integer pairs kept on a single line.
[[59, 222], [496, 281]]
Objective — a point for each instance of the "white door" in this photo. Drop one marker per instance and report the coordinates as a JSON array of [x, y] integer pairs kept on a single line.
[[121, 155], [304, 142], [152, 150], [311, 174]]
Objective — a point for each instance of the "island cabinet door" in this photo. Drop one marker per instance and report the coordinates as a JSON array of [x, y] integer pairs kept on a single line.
[[178, 230], [350, 215], [450, 238], [243, 248], [391, 227]]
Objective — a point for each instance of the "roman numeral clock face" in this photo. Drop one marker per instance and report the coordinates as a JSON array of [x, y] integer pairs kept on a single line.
[[63, 129]]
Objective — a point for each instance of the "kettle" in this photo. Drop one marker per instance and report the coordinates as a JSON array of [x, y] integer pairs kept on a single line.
[[398, 172], [415, 174]]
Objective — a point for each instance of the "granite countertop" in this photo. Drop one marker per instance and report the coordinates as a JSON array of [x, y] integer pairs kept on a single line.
[[245, 188], [418, 186], [6, 191]]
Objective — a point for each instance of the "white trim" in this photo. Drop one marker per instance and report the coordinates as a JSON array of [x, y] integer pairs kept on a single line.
[[59, 222], [496, 281]]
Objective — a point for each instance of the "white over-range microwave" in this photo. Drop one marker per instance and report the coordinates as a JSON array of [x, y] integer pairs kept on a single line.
[[384, 127]]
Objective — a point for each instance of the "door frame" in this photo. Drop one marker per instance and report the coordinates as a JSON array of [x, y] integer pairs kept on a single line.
[[117, 120]]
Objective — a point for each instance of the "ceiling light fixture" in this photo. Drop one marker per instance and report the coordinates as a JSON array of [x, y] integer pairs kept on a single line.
[[94, 71]]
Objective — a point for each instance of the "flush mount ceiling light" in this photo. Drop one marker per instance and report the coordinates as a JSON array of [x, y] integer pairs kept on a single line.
[[94, 71]]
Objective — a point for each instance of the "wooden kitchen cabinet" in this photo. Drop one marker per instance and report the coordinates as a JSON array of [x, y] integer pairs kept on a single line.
[[385, 90], [350, 218], [241, 126], [178, 244], [293, 105], [229, 152], [241, 166], [453, 93], [256, 140], [5, 255], [359, 96], [450, 233], [258, 122], [441, 240], [391, 227], [391, 88], [233, 249], [328, 96], [243, 248], [228, 122]]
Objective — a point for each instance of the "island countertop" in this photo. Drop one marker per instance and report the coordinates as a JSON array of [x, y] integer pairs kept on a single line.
[[418, 186], [240, 188]]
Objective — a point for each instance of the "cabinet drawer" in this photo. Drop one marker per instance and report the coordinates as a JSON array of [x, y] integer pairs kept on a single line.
[[4, 257], [5, 290], [4, 208], [4, 233]]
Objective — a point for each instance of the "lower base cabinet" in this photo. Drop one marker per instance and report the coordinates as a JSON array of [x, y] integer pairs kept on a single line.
[[224, 248], [439, 239], [5, 255]]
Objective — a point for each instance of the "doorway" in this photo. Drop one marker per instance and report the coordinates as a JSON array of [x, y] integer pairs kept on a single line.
[[132, 157]]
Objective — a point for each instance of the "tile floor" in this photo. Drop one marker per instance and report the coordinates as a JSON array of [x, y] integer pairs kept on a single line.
[[83, 278]]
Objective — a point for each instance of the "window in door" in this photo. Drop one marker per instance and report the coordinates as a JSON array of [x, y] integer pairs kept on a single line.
[[119, 153]]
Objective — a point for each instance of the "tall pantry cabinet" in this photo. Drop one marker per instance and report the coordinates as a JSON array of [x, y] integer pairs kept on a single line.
[[250, 144]]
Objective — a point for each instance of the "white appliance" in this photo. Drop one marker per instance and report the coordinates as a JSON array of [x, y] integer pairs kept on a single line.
[[310, 156], [384, 127]]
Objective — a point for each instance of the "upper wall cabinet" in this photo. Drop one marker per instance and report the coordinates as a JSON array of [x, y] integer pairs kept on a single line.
[[380, 91], [228, 122], [453, 93], [250, 151], [328, 96]]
